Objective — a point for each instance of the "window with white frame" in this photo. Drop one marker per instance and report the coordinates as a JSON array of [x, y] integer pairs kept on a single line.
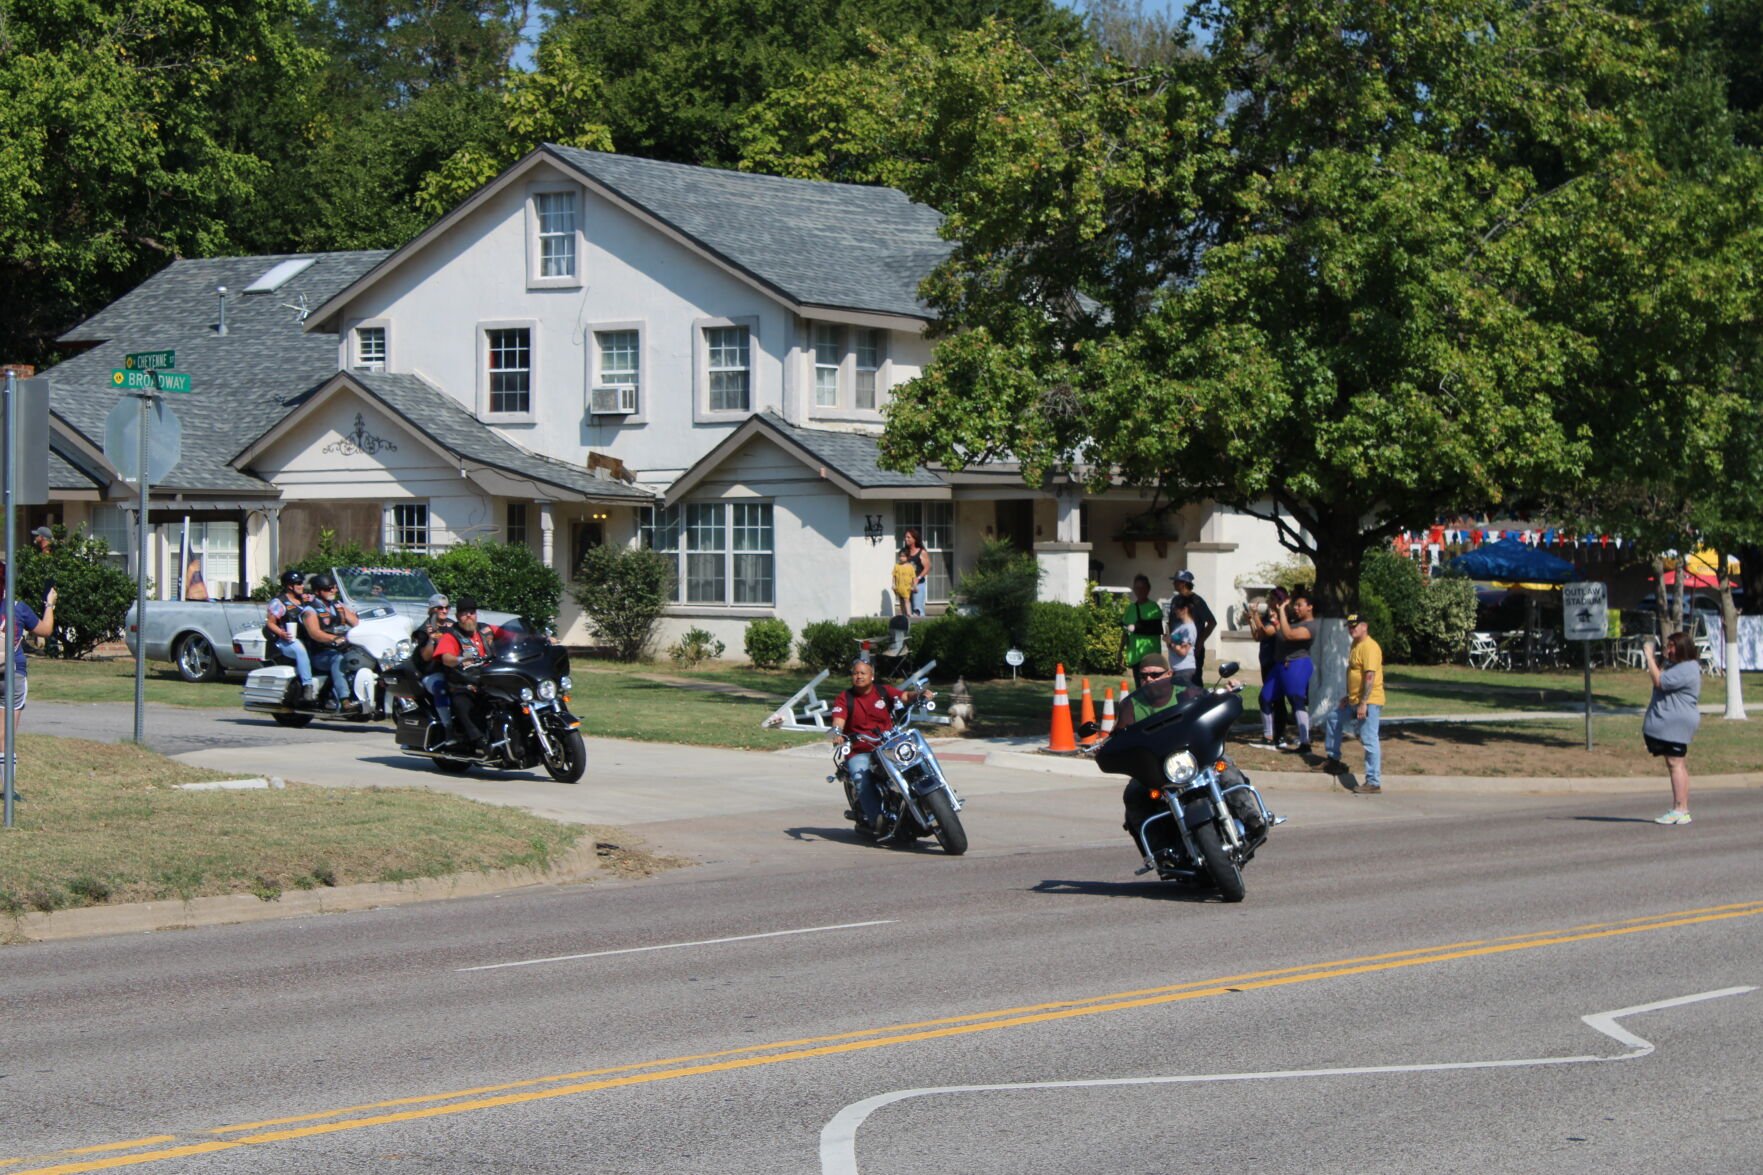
[[510, 370], [722, 552], [620, 362], [111, 523], [555, 213], [218, 544], [408, 527], [370, 348], [728, 354], [514, 534], [935, 524], [868, 356], [829, 356]]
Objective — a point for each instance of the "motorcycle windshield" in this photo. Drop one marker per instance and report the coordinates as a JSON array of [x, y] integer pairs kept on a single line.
[[515, 643]]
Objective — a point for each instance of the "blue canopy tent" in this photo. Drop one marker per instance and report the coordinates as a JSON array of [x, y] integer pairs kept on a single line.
[[1510, 561]]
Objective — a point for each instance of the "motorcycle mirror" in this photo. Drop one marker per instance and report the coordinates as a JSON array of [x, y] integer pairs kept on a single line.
[[1086, 729], [1228, 669]]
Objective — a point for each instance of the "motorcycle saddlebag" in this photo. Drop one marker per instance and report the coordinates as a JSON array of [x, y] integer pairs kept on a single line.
[[269, 686]]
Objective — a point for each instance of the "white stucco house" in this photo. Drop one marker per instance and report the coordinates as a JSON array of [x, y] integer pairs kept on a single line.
[[596, 348]]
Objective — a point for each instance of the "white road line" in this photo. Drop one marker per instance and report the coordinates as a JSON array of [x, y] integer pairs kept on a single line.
[[838, 1138], [674, 946]]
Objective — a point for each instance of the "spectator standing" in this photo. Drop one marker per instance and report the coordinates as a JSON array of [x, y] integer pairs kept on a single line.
[[1205, 624], [1297, 631], [23, 622], [1183, 643], [915, 554], [43, 539], [1365, 698], [1264, 623], [905, 579], [1141, 628], [1672, 716]]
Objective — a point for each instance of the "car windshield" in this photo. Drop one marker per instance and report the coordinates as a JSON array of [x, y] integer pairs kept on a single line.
[[366, 586]]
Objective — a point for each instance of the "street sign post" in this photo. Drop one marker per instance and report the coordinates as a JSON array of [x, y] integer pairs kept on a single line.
[[1585, 615], [150, 360]]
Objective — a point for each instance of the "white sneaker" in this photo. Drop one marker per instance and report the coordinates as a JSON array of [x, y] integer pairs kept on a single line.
[[1672, 817]]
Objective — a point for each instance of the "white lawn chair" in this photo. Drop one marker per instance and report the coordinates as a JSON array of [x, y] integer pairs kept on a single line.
[[1485, 652]]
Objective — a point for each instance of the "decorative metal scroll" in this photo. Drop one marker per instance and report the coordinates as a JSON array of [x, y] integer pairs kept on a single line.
[[360, 441]]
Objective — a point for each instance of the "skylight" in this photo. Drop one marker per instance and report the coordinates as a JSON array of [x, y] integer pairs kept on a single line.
[[279, 276]]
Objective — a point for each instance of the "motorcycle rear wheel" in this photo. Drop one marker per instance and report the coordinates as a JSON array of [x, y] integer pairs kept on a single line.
[[949, 832], [294, 720], [452, 766], [1223, 871], [571, 759]]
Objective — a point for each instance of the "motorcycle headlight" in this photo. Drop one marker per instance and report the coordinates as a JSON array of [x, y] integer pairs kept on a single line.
[[906, 752], [565, 683], [1180, 767], [526, 695], [547, 690], [397, 653]]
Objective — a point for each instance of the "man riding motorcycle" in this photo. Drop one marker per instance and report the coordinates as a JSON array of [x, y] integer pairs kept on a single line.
[[459, 646], [325, 622], [864, 714]]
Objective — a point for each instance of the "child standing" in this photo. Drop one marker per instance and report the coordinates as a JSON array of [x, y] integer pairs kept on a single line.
[[905, 576]]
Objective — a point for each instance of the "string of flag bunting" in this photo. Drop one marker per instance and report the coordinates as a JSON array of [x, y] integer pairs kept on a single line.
[[1453, 539]]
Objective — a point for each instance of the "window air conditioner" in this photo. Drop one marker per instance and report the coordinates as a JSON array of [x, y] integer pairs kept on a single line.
[[613, 400]]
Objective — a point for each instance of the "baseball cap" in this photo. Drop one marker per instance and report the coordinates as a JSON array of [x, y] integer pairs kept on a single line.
[[1154, 661], [43, 532], [438, 600], [1355, 618], [1183, 577]]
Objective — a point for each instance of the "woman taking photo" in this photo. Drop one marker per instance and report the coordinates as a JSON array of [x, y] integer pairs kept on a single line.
[[920, 560], [1672, 717]]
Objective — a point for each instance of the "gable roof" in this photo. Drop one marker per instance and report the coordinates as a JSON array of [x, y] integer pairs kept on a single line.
[[430, 413], [243, 381], [850, 460], [810, 243]]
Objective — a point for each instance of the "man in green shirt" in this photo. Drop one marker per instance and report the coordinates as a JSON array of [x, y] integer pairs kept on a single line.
[[1142, 627]]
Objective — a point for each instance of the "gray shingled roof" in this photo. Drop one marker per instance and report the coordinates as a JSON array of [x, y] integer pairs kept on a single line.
[[64, 475], [855, 455], [427, 409], [819, 244], [243, 382]]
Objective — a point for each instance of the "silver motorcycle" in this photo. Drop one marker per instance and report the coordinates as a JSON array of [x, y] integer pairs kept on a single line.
[[916, 797]]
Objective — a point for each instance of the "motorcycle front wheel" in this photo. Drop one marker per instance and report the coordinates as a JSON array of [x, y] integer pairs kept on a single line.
[[571, 759], [949, 832], [1223, 871]]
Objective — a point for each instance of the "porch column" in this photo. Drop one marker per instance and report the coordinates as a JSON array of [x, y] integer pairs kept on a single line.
[[547, 535], [1065, 562]]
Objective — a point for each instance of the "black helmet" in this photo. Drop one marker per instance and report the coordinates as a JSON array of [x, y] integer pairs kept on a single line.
[[322, 582], [293, 578]]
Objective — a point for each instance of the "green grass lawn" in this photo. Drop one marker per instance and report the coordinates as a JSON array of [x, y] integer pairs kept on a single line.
[[113, 680], [103, 822]]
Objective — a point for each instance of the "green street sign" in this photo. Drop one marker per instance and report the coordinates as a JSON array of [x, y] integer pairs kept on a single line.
[[150, 360], [133, 381], [173, 381]]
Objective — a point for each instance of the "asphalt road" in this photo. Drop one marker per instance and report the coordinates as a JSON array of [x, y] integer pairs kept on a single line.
[[1403, 990]]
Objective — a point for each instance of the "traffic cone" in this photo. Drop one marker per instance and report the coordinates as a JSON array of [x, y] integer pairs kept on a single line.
[[1063, 740], [1125, 689], [1108, 712], [1087, 716]]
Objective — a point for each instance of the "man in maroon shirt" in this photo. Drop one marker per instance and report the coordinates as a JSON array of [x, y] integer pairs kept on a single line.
[[864, 714]]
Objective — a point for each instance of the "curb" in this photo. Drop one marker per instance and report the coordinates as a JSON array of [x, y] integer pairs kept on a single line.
[[578, 864]]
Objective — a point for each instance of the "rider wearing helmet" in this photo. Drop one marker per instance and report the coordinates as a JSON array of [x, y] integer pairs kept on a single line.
[[282, 628], [324, 626]]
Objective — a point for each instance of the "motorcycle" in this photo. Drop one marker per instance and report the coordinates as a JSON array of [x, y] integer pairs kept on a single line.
[[523, 706], [381, 637], [916, 797], [1212, 819]]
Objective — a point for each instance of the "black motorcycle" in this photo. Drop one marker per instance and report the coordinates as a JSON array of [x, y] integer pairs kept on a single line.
[[1210, 819], [523, 706]]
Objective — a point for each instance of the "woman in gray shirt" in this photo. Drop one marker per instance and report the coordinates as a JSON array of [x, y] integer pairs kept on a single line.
[[1672, 717]]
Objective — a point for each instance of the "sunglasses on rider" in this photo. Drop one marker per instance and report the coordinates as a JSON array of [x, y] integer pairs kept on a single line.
[[1154, 674]]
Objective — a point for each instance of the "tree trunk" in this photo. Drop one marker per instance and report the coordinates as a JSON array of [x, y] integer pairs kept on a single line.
[[1340, 551], [1663, 626], [1729, 635]]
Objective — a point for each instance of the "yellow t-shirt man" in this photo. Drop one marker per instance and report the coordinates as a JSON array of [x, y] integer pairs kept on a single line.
[[1365, 657]]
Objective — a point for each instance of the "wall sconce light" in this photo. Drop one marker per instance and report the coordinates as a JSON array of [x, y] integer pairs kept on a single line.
[[597, 517], [872, 528]]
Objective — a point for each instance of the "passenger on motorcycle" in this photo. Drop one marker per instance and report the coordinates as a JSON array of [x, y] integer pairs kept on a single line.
[[864, 714], [433, 674], [459, 648], [282, 628], [325, 622]]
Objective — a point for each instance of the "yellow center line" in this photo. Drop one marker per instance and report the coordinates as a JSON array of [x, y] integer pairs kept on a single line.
[[815, 1047]]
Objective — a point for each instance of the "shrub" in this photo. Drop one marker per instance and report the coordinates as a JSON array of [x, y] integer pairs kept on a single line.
[[767, 643], [1377, 615], [505, 577], [869, 628], [1398, 583], [1102, 648], [826, 644], [697, 645], [93, 596], [1055, 635], [1003, 583], [1293, 571], [962, 646], [623, 591], [1447, 614]]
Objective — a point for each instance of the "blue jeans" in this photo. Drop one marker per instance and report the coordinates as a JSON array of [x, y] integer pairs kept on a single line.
[[918, 596], [296, 652], [331, 661], [436, 685], [862, 769], [1340, 716]]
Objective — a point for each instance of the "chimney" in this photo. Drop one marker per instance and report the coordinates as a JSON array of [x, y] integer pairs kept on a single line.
[[221, 292], [22, 370]]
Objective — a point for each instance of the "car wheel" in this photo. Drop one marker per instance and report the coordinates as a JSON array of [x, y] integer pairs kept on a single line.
[[196, 659]]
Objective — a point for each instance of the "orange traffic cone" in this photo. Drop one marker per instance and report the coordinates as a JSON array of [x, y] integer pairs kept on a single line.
[[1108, 712], [1063, 740], [1087, 717], [1125, 689]]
